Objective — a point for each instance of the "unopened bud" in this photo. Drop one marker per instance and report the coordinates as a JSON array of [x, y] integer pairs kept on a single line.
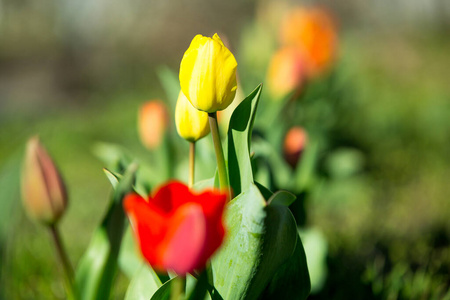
[[43, 191], [294, 144]]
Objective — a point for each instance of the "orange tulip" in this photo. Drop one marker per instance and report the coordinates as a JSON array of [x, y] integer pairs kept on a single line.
[[43, 191], [286, 72], [313, 32], [294, 143], [153, 121], [177, 229]]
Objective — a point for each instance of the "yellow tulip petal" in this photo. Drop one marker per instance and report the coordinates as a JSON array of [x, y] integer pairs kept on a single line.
[[208, 74], [191, 123]]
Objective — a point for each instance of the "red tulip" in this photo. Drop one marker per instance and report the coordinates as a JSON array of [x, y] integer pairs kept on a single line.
[[177, 229]]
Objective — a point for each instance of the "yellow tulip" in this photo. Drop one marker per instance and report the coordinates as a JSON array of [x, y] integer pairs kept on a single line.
[[208, 74], [191, 123]]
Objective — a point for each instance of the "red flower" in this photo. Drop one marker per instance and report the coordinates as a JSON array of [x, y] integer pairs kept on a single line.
[[177, 229]]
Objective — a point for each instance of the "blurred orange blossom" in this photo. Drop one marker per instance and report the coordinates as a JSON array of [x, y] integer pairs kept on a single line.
[[295, 142], [153, 120], [313, 32]]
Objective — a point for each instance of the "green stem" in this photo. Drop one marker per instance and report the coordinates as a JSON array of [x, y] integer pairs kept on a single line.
[[191, 179], [223, 176], [178, 288], [67, 267]]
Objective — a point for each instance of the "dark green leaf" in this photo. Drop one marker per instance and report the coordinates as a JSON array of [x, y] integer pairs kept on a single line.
[[282, 198], [291, 281], [200, 287], [264, 191]]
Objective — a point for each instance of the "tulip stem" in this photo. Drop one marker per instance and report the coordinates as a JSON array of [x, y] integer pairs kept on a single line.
[[223, 175], [178, 288], [67, 267], [191, 164]]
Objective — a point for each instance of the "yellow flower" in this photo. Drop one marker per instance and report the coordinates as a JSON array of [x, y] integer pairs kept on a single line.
[[192, 124], [208, 74]]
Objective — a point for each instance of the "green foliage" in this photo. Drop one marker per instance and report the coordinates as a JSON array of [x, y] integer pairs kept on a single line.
[[261, 237], [239, 134], [98, 266], [144, 284]]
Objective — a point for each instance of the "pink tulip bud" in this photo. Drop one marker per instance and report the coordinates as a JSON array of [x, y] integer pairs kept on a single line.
[[152, 123], [43, 191], [294, 144]]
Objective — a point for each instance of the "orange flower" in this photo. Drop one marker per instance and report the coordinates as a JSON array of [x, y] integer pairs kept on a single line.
[[313, 32], [43, 191], [294, 144], [153, 121], [177, 229], [286, 72]]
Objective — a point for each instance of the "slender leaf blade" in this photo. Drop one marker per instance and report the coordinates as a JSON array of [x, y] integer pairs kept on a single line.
[[239, 134]]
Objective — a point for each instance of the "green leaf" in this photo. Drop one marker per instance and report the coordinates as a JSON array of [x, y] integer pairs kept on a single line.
[[112, 177], [260, 239], [171, 84], [291, 281], [207, 183], [163, 293], [316, 248], [197, 288], [239, 134], [304, 174], [97, 268], [264, 191], [144, 284], [9, 193], [284, 198], [113, 156], [130, 260]]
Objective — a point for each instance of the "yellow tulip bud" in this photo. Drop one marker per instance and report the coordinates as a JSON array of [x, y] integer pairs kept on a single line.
[[152, 123], [208, 74], [43, 191], [192, 124]]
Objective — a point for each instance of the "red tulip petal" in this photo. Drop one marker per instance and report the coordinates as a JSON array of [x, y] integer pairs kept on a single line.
[[186, 239], [213, 203], [171, 196], [150, 227]]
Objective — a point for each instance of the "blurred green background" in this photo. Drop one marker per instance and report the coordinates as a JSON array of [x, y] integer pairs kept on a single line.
[[75, 72]]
